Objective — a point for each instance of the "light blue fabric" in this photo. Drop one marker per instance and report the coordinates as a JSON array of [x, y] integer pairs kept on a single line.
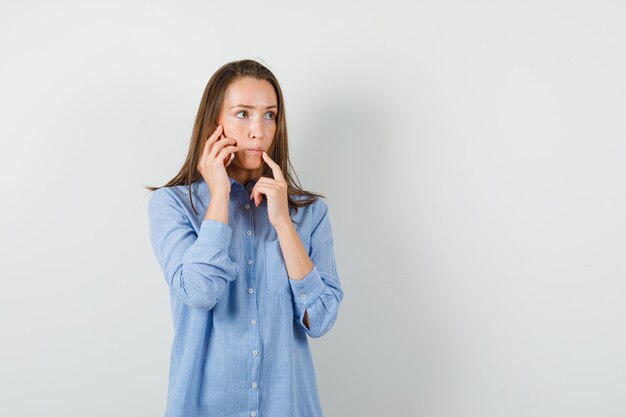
[[240, 347]]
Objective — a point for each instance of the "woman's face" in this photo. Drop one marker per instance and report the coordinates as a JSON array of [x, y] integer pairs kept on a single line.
[[248, 115]]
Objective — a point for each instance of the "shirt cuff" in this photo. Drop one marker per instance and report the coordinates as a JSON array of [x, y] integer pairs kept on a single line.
[[215, 233], [309, 288]]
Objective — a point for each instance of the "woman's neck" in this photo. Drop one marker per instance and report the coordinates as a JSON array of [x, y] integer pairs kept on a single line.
[[244, 176]]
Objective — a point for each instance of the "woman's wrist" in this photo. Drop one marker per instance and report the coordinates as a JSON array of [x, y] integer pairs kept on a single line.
[[284, 227], [218, 208]]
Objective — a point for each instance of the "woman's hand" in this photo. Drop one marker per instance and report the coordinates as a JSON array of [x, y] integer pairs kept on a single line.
[[276, 192], [216, 155]]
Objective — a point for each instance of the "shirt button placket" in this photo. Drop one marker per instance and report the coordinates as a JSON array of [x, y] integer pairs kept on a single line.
[[254, 329]]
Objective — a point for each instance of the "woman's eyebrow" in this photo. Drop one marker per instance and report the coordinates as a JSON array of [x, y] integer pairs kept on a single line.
[[251, 107]]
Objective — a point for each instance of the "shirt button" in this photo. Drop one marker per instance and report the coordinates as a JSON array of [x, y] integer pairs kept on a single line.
[[247, 206], [250, 290], [254, 385], [303, 296], [249, 232], [255, 353], [249, 262], [253, 322], [253, 414]]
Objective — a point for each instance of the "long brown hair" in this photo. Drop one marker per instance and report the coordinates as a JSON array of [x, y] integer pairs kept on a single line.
[[206, 123]]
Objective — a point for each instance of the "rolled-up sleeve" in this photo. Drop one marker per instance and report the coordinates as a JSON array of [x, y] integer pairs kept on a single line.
[[196, 267], [319, 292]]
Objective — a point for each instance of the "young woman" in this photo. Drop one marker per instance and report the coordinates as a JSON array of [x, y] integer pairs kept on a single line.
[[248, 258]]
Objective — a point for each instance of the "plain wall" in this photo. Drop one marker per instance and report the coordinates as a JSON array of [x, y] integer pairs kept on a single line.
[[473, 158]]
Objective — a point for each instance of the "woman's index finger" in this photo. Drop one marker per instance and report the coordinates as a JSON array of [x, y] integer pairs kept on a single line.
[[278, 174], [211, 139], [216, 134]]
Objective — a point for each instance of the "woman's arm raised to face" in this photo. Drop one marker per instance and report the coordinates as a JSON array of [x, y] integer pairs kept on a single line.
[[216, 155]]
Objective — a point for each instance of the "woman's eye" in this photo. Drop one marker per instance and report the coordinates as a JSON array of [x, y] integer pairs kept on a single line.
[[243, 113]]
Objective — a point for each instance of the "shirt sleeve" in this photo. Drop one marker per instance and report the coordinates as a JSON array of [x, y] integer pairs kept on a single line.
[[196, 267], [319, 292]]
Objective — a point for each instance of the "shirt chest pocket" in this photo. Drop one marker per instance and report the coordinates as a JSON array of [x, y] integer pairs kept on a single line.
[[276, 276]]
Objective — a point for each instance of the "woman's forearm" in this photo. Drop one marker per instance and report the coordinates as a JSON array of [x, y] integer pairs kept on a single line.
[[297, 260]]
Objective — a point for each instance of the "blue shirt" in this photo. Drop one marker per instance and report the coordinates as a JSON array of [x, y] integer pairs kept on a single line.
[[240, 347]]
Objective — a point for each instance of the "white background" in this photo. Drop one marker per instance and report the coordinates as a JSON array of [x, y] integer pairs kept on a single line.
[[473, 157]]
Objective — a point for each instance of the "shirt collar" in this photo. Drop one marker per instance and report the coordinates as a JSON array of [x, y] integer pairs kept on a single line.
[[248, 186], [233, 183]]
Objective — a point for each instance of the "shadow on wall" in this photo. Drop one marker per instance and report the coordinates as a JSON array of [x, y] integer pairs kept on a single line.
[[365, 364]]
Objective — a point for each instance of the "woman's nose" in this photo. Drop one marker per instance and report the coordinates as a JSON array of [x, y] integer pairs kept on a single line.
[[256, 129]]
